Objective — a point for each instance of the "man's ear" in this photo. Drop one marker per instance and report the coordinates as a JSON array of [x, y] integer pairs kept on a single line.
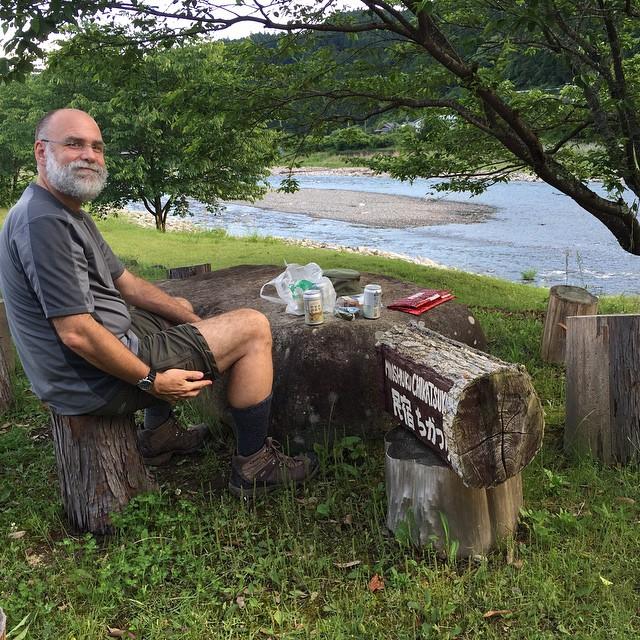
[[39, 151]]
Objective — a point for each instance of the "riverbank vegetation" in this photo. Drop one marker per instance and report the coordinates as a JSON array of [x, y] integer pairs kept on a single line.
[[192, 562], [486, 90]]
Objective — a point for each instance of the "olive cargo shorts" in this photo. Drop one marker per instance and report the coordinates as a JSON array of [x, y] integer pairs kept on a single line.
[[162, 346]]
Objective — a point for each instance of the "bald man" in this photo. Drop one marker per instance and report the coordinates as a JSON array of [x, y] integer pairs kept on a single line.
[[95, 339]]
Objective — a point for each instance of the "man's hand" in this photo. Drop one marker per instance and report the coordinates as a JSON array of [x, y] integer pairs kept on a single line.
[[177, 384]]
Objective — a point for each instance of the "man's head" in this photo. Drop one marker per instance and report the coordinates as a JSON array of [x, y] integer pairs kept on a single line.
[[70, 154]]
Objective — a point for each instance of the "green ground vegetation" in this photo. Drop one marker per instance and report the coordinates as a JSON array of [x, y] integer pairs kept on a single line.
[[192, 562]]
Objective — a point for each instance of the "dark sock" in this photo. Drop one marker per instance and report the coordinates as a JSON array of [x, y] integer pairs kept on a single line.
[[156, 414], [252, 424]]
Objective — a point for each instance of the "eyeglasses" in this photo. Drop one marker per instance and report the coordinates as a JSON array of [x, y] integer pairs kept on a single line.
[[78, 145]]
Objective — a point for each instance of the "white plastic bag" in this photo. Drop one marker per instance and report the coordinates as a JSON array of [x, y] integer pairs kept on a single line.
[[291, 284]]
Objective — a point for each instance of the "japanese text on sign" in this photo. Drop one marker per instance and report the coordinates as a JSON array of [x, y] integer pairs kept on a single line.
[[418, 397]]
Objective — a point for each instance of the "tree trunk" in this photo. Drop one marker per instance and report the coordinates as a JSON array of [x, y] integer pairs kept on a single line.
[[602, 390], [7, 361], [3, 625], [178, 273], [6, 343], [426, 497], [564, 301], [479, 413], [99, 468]]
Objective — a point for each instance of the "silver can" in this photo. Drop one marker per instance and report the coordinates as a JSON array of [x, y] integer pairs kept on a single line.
[[313, 307], [372, 303]]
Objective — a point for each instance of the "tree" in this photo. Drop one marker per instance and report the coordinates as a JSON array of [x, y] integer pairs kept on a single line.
[[477, 129], [172, 127], [21, 105]]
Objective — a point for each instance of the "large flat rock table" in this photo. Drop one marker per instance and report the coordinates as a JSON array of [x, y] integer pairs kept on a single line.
[[327, 377]]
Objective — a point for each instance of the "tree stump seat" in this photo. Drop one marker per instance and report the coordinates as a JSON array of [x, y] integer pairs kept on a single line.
[[602, 391], [99, 467], [326, 376], [434, 506]]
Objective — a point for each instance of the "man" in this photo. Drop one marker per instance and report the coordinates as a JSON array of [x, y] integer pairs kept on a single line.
[[67, 300]]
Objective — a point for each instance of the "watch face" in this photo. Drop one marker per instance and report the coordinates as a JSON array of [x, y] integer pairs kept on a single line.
[[145, 384]]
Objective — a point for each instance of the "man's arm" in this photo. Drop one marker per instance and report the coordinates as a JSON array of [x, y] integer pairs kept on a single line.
[[90, 340], [144, 295]]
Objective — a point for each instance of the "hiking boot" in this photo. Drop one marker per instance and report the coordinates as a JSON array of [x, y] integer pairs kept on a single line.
[[158, 445], [268, 469]]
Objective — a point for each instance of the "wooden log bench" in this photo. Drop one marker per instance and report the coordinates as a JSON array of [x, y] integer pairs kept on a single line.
[[474, 423], [325, 376], [179, 273], [602, 390], [99, 468]]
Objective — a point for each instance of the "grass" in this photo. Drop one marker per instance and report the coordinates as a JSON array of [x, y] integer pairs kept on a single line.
[[336, 159], [191, 562]]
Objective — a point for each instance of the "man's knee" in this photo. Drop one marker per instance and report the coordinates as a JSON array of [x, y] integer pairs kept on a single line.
[[259, 323], [183, 302]]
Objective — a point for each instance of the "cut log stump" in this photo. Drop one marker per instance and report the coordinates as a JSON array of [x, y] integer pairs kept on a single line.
[[602, 390], [99, 468], [430, 501], [564, 301], [178, 273], [3, 625], [6, 391], [482, 415], [6, 343]]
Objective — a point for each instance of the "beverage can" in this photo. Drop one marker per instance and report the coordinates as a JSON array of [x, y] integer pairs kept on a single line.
[[372, 303], [313, 307]]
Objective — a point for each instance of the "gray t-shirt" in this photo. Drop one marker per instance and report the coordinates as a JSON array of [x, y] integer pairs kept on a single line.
[[54, 262]]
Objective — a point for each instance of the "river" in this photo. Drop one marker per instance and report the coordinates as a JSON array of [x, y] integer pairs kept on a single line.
[[535, 229]]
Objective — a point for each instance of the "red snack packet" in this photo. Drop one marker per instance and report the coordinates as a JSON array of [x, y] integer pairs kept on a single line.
[[421, 301]]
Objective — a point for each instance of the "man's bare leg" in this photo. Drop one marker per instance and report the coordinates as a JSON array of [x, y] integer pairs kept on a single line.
[[241, 343]]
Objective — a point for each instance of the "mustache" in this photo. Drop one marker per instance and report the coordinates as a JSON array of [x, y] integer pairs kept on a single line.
[[85, 164]]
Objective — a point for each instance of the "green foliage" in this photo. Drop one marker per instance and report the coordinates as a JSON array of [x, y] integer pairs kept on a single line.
[[22, 104], [173, 120]]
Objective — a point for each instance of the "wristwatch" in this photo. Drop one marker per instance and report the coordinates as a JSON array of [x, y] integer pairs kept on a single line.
[[146, 383]]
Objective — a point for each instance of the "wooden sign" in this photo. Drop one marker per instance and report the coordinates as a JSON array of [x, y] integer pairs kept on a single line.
[[480, 414], [417, 396]]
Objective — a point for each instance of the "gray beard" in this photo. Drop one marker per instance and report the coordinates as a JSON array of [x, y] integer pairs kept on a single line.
[[63, 178]]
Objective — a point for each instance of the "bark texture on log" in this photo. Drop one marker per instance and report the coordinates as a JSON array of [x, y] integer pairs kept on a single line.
[[6, 391], [479, 413], [602, 390], [3, 625], [425, 495], [6, 342], [179, 273], [99, 468], [326, 376], [564, 301]]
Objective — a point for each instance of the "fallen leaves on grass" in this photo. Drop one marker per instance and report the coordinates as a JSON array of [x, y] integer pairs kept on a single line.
[[494, 613], [114, 632], [376, 583], [16, 535], [347, 565]]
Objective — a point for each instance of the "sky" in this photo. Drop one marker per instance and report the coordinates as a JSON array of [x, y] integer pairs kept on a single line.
[[240, 30]]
